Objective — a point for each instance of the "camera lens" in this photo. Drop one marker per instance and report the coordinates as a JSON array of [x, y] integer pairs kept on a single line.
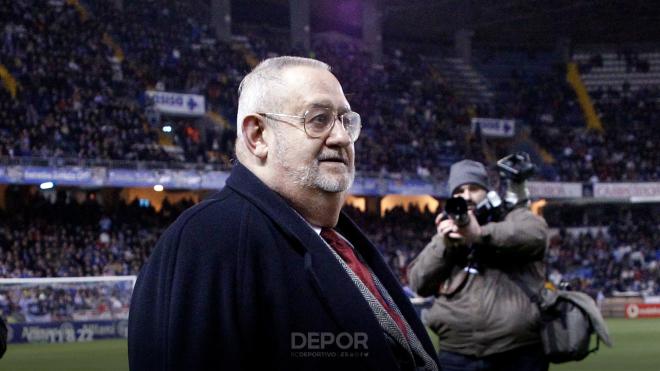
[[457, 209]]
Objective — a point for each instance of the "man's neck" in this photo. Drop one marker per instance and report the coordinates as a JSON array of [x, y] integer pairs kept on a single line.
[[320, 208]]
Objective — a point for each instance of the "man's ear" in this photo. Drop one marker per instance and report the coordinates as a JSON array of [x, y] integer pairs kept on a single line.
[[253, 135]]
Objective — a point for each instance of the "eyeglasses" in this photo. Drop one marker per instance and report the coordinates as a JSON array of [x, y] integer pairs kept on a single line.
[[318, 122]]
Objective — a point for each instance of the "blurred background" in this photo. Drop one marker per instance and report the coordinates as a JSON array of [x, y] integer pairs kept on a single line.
[[115, 116]]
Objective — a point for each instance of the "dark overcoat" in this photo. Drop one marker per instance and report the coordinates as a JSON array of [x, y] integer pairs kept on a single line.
[[240, 280]]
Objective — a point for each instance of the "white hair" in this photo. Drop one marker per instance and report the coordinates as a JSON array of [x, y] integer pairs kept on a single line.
[[255, 93]]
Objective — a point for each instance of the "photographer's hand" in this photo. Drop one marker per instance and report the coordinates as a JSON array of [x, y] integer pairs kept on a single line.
[[447, 228], [470, 233]]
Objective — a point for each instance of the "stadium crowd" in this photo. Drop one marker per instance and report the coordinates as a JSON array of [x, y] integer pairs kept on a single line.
[[42, 238], [65, 302], [72, 99], [86, 86], [85, 97], [622, 259], [69, 239], [622, 151], [82, 82]]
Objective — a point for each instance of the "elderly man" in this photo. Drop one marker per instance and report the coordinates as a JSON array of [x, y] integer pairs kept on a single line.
[[269, 271], [483, 318]]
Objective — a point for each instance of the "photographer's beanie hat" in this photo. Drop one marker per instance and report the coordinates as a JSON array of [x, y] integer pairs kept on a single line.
[[467, 172]]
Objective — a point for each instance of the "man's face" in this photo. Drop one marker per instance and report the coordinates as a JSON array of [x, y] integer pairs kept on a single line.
[[472, 193], [326, 163]]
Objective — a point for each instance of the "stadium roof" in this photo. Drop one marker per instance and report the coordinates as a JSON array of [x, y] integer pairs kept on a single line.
[[526, 22], [494, 22]]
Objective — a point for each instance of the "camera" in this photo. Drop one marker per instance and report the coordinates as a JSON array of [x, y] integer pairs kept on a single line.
[[515, 169], [456, 208], [490, 209]]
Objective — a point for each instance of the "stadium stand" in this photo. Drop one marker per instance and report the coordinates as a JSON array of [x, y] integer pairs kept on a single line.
[[607, 262], [617, 253], [431, 121], [611, 249], [540, 97], [72, 100], [49, 303], [620, 69], [82, 76], [106, 59], [67, 95], [70, 239]]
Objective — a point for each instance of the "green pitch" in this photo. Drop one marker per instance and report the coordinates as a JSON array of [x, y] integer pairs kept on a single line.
[[636, 348], [99, 355]]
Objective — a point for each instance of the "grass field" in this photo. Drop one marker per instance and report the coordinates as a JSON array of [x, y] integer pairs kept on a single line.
[[636, 348], [100, 355]]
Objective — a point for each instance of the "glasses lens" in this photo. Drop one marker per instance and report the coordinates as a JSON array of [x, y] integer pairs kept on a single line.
[[353, 124], [318, 121]]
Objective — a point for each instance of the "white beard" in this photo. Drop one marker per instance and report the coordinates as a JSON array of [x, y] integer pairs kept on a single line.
[[310, 176]]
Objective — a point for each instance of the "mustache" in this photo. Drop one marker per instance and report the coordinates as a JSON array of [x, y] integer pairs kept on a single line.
[[333, 156]]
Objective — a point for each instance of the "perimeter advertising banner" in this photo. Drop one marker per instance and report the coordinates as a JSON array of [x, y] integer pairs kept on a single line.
[[102, 177], [643, 310], [555, 189], [178, 104], [66, 332], [492, 127], [627, 190], [64, 175]]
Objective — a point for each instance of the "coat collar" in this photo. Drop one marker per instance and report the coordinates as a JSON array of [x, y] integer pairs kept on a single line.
[[348, 307]]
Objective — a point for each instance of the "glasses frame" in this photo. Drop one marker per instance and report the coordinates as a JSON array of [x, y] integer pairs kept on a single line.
[[337, 117]]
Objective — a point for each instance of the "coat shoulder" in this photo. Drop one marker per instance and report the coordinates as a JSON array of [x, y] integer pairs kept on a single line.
[[217, 225]]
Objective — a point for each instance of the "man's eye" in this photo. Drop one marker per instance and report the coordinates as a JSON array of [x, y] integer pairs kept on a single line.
[[321, 119]]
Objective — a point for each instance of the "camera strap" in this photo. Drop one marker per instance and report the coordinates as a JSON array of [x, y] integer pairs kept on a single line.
[[459, 279]]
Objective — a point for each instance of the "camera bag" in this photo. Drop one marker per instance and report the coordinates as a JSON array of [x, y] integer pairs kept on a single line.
[[569, 319]]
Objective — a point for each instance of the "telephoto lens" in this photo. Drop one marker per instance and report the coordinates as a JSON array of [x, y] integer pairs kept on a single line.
[[456, 208]]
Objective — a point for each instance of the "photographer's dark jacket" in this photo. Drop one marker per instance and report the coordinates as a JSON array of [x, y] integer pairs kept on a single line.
[[240, 281], [490, 314]]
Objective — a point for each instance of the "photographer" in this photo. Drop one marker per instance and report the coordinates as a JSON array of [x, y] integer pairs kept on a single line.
[[483, 319]]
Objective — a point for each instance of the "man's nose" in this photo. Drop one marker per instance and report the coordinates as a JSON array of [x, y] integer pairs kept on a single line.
[[338, 135], [465, 194]]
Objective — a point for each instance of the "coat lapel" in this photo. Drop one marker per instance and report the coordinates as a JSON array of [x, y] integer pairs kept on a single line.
[[377, 264]]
